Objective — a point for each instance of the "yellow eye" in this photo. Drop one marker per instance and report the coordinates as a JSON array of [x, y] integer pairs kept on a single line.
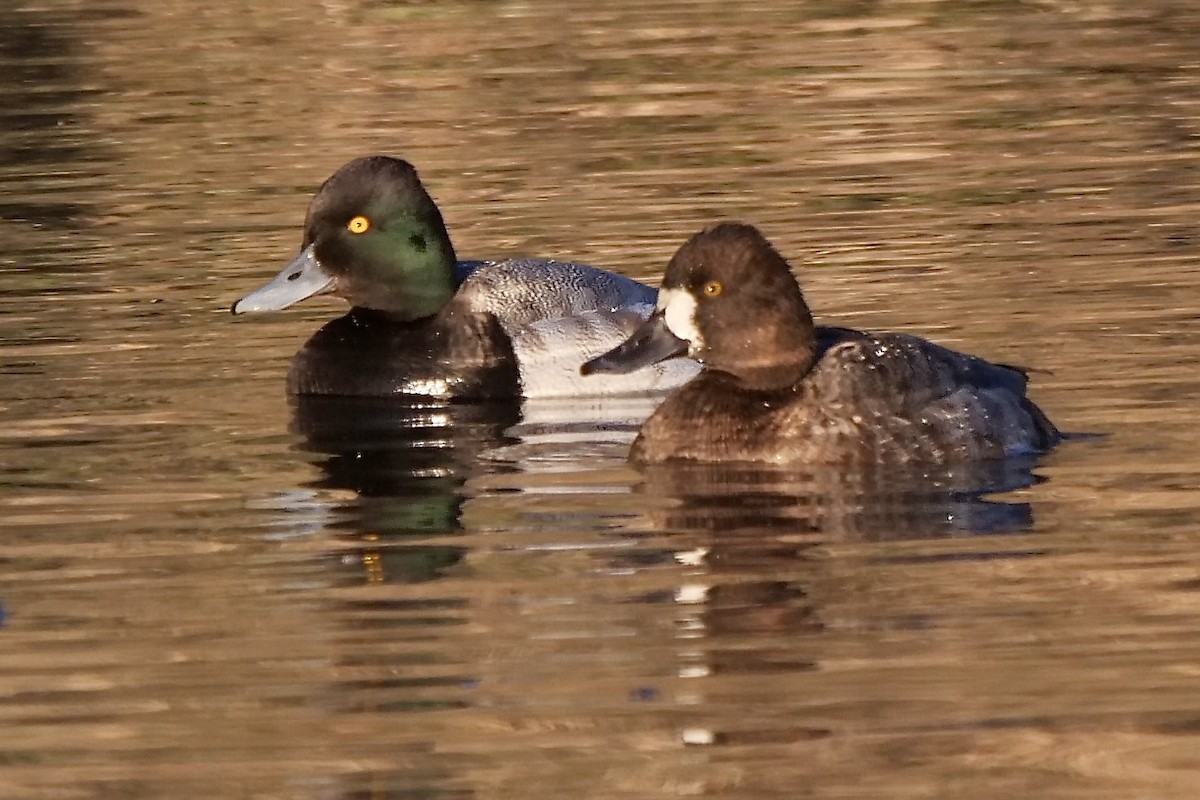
[[713, 288], [359, 224]]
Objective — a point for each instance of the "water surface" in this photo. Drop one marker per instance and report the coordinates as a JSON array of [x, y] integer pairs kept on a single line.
[[212, 592]]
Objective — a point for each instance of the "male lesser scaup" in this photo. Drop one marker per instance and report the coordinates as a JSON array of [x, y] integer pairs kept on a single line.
[[424, 323], [776, 388]]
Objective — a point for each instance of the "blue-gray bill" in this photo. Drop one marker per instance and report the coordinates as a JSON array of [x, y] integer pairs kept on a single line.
[[651, 343], [302, 277]]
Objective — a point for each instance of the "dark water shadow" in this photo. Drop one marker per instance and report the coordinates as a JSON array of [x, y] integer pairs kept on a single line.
[[43, 120]]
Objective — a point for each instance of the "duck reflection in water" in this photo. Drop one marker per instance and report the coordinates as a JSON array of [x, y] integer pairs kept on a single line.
[[834, 504], [406, 463], [774, 567], [738, 581]]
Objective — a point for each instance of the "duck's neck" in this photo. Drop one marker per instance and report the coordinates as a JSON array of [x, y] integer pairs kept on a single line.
[[418, 278], [777, 357]]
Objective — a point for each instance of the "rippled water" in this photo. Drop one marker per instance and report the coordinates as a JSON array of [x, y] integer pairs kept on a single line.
[[209, 592]]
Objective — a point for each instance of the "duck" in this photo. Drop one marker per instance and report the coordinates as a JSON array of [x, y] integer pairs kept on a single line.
[[777, 388], [422, 323]]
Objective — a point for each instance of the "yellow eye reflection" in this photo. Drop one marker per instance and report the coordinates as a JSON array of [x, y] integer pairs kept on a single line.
[[713, 288], [359, 224]]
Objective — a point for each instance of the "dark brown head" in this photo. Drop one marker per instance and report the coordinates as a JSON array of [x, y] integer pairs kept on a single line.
[[728, 300]]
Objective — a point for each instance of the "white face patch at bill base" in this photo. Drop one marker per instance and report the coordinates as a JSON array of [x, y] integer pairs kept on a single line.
[[679, 312]]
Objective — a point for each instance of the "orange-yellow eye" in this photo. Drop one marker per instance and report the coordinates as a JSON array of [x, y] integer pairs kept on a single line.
[[359, 224], [713, 288]]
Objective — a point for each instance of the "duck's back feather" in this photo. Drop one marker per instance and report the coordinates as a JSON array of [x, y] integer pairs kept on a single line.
[[557, 315], [521, 291], [551, 350]]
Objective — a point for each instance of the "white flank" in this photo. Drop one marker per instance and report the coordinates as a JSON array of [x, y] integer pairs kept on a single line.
[[679, 312]]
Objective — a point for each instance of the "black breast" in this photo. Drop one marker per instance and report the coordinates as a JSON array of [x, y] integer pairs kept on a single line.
[[455, 354]]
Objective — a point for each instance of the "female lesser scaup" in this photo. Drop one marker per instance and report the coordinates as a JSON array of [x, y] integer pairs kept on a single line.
[[424, 323], [776, 388]]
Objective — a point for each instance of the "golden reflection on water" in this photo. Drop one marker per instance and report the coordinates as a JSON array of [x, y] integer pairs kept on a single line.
[[212, 593]]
